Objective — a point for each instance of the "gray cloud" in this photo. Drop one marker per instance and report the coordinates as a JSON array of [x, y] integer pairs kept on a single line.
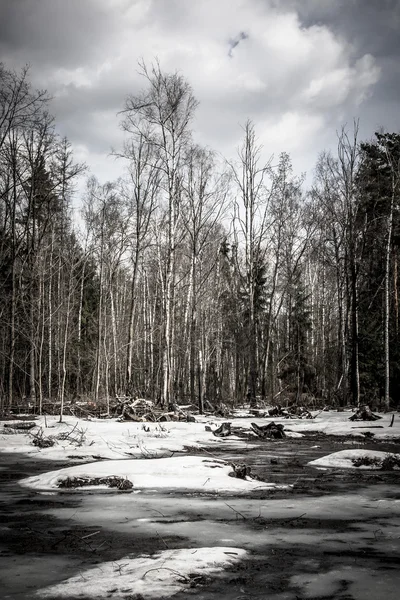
[[298, 68], [53, 33], [371, 26]]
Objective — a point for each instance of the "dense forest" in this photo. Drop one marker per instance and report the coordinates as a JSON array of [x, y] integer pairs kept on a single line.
[[193, 279]]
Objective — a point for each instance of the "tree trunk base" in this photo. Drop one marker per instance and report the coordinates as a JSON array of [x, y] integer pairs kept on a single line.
[[364, 413]]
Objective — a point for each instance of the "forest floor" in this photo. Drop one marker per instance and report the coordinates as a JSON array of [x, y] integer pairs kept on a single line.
[[187, 529]]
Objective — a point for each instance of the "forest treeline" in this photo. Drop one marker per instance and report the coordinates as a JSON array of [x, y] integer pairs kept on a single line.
[[193, 279]]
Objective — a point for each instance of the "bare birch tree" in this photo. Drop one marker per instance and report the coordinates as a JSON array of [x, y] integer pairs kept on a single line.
[[162, 114]]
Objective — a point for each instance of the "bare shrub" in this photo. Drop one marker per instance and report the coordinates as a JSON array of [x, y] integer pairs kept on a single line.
[[390, 462], [111, 481], [366, 461]]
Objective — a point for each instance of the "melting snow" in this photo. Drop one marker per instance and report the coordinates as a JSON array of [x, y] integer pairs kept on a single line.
[[108, 438], [344, 459], [180, 473], [161, 575]]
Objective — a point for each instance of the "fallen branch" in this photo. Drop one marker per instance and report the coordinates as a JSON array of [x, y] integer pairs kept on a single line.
[[235, 511], [183, 577], [295, 518], [368, 427], [90, 535], [21, 425]]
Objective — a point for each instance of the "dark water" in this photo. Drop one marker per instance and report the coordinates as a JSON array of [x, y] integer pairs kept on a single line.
[[286, 461]]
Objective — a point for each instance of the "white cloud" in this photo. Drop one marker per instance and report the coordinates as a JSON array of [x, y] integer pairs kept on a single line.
[[293, 82]]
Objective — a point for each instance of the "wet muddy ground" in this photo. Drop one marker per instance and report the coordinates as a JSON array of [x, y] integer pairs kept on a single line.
[[325, 523]]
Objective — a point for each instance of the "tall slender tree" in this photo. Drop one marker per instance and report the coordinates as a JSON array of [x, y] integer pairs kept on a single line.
[[161, 114]]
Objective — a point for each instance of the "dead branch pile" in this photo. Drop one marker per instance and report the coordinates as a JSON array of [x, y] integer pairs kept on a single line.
[[364, 413], [293, 412], [389, 463], [42, 441], [111, 481], [139, 409], [75, 437], [272, 430], [222, 410], [300, 412]]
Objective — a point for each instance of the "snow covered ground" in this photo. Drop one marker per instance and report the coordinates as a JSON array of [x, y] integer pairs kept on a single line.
[[329, 545], [157, 576], [348, 459], [184, 473], [101, 438], [334, 423], [108, 438]]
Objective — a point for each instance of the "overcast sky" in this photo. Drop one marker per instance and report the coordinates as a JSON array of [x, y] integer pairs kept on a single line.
[[300, 69]]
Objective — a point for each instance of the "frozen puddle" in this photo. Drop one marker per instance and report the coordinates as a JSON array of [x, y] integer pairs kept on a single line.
[[347, 582]]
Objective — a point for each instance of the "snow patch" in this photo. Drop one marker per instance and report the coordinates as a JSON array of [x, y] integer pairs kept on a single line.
[[110, 439], [160, 575], [345, 459], [187, 473]]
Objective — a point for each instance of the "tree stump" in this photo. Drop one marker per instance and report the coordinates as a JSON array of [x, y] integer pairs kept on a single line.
[[223, 431], [272, 430], [364, 413]]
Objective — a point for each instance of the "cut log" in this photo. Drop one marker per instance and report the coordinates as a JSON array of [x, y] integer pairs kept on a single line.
[[21, 425]]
